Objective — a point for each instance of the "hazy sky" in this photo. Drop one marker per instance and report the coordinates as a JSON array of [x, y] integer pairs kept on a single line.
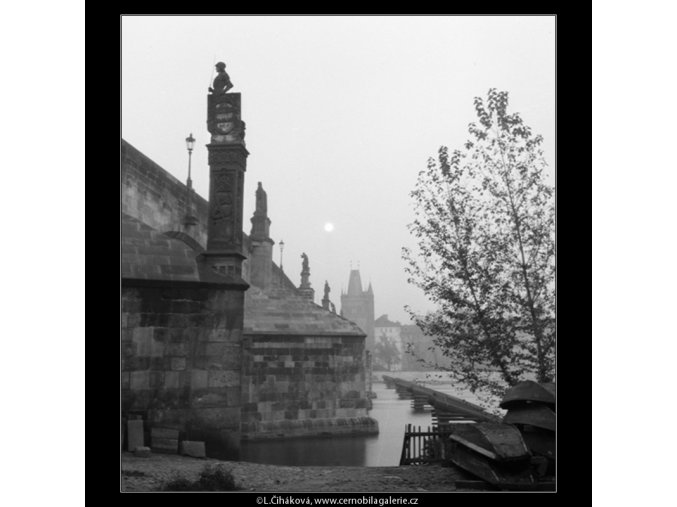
[[341, 113]]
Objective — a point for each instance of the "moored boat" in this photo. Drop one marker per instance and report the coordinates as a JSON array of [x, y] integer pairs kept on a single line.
[[527, 393]]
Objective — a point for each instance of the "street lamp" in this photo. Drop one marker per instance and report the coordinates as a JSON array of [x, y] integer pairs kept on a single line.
[[189, 218], [190, 143], [281, 250]]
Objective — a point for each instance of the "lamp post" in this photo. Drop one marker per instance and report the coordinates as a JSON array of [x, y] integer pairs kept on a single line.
[[190, 143], [281, 250], [189, 219]]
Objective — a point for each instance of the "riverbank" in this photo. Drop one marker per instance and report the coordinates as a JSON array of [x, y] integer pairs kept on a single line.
[[149, 474]]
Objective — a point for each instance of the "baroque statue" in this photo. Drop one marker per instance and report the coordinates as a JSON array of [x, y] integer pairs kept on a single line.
[[222, 81], [261, 199]]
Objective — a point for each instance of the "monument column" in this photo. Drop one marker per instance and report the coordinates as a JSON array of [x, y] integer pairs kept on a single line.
[[227, 165]]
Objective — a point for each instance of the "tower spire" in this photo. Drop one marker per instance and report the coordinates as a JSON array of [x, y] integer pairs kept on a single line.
[[354, 283]]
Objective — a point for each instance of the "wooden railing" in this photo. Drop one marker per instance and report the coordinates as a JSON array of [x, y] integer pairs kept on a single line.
[[421, 446]]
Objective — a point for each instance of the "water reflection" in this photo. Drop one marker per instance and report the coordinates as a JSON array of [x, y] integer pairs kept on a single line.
[[383, 449]]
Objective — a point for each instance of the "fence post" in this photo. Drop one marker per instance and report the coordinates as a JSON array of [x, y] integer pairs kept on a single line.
[[405, 445]]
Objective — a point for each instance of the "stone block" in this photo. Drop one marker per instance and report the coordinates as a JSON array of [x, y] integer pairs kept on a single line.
[[347, 403], [142, 337], [264, 407], [156, 379], [134, 434], [233, 396], [193, 448], [124, 380], [139, 380], [165, 445], [170, 433], [129, 303], [235, 336], [178, 321], [175, 349], [232, 359], [133, 320], [176, 336], [178, 363], [171, 380], [161, 334], [215, 350], [224, 378], [209, 399], [199, 379], [282, 386], [217, 418], [157, 348], [219, 334], [142, 452]]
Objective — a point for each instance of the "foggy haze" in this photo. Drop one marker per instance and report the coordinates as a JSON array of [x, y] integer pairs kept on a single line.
[[341, 114]]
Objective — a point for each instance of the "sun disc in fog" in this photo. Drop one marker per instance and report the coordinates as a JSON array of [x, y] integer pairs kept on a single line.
[[328, 227]]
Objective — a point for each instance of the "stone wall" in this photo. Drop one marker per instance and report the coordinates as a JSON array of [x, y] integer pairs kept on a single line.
[[158, 199], [304, 386], [181, 359]]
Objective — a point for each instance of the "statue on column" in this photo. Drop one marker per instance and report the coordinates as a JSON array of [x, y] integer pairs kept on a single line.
[[222, 81], [261, 201], [326, 303], [305, 288], [305, 272]]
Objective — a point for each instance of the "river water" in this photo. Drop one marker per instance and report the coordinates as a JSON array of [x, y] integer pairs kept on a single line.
[[384, 449]]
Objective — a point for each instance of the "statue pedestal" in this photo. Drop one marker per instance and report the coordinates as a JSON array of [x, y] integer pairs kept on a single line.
[[307, 292]]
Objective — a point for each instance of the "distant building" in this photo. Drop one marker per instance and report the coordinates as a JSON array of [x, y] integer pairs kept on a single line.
[[423, 348], [389, 350], [357, 305]]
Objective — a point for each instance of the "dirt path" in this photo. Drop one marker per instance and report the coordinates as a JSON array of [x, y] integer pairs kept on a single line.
[[148, 474]]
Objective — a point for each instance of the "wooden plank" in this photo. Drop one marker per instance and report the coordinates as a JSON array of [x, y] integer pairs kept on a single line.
[[540, 416], [514, 476], [502, 440], [506, 440], [474, 447]]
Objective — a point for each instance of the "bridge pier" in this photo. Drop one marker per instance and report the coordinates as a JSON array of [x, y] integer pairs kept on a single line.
[[402, 392], [419, 402]]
